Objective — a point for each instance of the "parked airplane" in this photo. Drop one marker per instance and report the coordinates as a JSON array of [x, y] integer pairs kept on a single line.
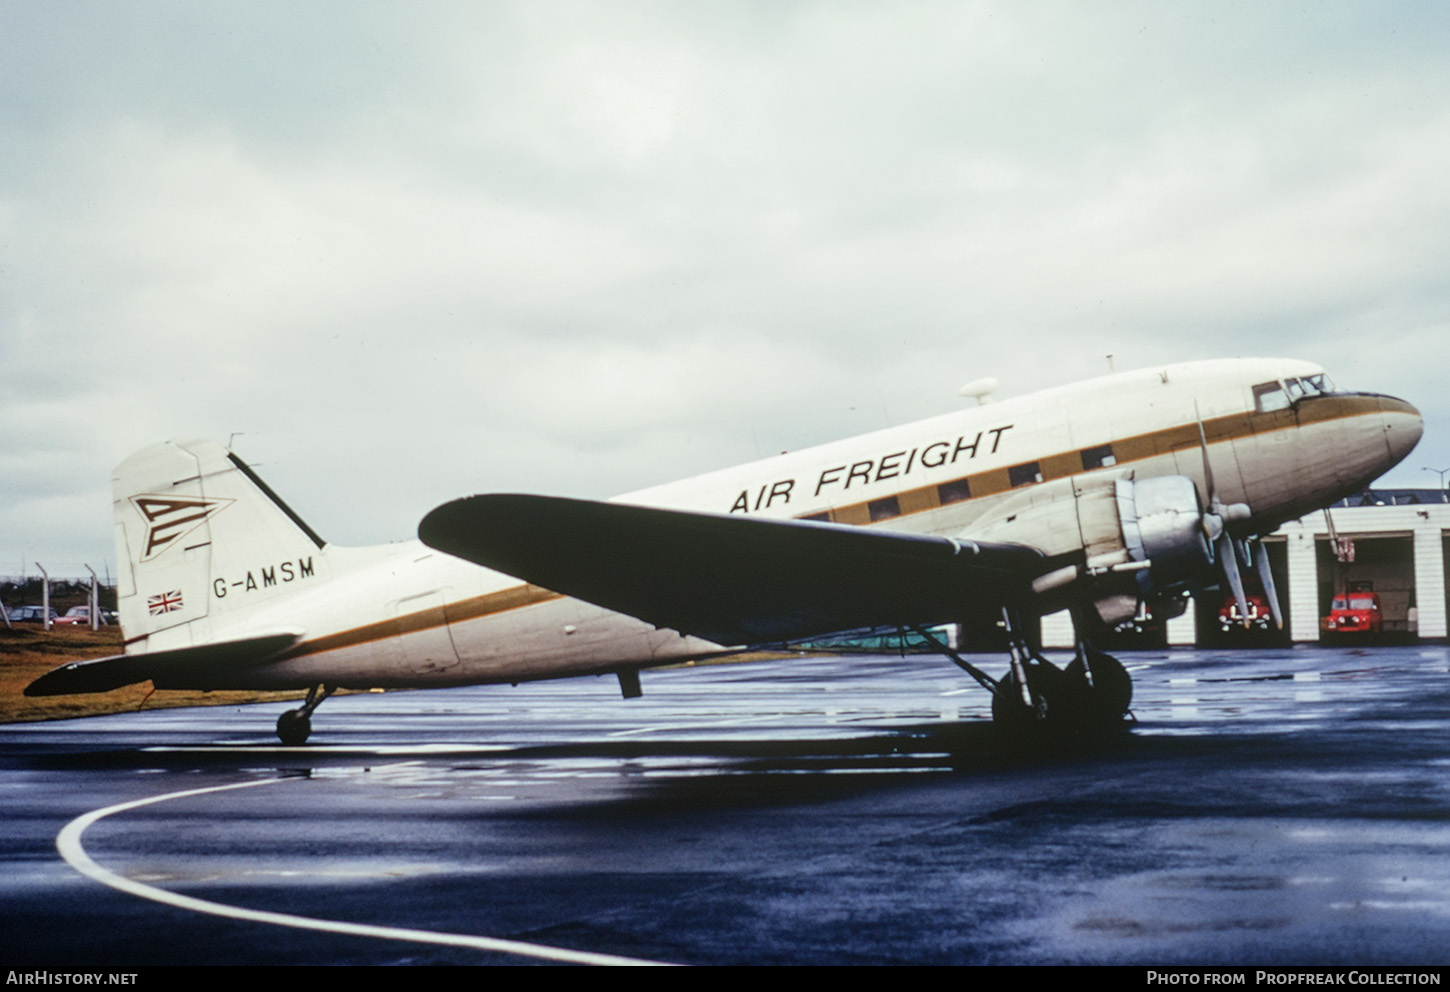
[[1095, 497]]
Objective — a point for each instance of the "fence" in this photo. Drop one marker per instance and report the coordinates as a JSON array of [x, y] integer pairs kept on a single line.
[[58, 594]]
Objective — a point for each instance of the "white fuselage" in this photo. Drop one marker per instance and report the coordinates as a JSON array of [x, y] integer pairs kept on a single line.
[[405, 615]]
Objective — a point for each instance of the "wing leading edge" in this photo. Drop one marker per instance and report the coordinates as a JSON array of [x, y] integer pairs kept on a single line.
[[730, 579]]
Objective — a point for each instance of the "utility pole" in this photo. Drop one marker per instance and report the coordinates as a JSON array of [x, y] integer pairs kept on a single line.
[[1441, 473], [95, 607], [44, 595]]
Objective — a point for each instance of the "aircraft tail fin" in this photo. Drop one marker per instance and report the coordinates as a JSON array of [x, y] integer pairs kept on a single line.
[[200, 537]]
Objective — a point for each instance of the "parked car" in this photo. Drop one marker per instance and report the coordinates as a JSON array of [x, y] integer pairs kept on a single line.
[[1354, 613], [82, 614], [31, 614]]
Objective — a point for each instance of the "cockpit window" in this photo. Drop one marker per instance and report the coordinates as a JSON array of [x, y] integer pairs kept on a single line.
[[1270, 396]]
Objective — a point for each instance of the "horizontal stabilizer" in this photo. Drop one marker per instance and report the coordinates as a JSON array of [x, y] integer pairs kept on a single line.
[[730, 579], [188, 667]]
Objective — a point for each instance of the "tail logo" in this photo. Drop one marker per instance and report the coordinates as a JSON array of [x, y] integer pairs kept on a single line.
[[170, 518]]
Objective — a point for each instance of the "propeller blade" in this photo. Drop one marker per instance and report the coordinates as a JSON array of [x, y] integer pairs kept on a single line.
[[1228, 558], [1261, 565], [1214, 521], [1207, 465]]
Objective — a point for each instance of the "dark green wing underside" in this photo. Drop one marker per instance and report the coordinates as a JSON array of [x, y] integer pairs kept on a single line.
[[730, 579]]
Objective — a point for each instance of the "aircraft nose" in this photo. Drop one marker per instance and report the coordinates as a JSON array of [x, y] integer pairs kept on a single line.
[[1403, 426]]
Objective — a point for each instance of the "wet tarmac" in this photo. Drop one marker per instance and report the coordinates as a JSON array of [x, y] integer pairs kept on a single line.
[[1268, 808]]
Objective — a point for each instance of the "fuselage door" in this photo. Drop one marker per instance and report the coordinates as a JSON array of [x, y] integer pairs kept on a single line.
[[423, 636]]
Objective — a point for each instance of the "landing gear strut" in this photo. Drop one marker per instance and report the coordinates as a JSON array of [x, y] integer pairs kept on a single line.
[[294, 726], [1092, 694]]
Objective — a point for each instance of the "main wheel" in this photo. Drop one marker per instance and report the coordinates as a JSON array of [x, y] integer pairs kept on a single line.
[[1049, 685], [1106, 701], [293, 727]]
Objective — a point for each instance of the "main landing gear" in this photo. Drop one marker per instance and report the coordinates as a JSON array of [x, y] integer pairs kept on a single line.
[[294, 726], [1091, 694], [1037, 698]]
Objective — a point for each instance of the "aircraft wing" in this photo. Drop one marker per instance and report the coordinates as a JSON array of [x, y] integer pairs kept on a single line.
[[730, 579], [188, 667]]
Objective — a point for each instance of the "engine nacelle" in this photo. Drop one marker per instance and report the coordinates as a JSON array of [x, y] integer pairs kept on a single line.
[[1162, 523], [1117, 541]]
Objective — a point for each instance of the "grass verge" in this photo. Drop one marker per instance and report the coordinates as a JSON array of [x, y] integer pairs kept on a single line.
[[28, 652]]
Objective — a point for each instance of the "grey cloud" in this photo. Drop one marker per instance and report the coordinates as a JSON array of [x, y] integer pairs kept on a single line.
[[418, 251]]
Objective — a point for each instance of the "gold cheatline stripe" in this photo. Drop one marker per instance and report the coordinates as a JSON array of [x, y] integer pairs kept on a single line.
[[513, 598], [1130, 449], [1139, 447]]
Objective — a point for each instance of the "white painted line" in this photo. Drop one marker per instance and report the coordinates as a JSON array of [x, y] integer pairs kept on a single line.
[[744, 721], [68, 843], [385, 751]]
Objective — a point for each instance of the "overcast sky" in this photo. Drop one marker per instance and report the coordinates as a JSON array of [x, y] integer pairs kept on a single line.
[[410, 252]]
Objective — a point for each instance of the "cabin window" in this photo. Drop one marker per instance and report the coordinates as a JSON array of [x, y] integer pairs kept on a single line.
[[1100, 457], [1295, 390], [1270, 396], [1025, 475], [884, 509], [954, 491]]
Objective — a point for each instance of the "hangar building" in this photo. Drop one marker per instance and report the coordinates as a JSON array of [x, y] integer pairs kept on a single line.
[[1389, 542]]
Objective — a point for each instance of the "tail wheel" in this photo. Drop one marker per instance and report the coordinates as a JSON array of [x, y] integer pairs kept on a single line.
[[293, 727]]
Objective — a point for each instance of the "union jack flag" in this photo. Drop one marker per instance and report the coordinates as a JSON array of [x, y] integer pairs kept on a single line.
[[167, 602]]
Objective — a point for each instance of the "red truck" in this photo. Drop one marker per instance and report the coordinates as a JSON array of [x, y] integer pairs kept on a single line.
[[1353, 613]]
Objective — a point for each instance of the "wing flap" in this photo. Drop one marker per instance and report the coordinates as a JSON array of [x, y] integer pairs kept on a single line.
[[188, 667], [729, 579]]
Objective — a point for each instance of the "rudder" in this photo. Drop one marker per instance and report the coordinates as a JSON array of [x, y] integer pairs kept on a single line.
[[199, 536]]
